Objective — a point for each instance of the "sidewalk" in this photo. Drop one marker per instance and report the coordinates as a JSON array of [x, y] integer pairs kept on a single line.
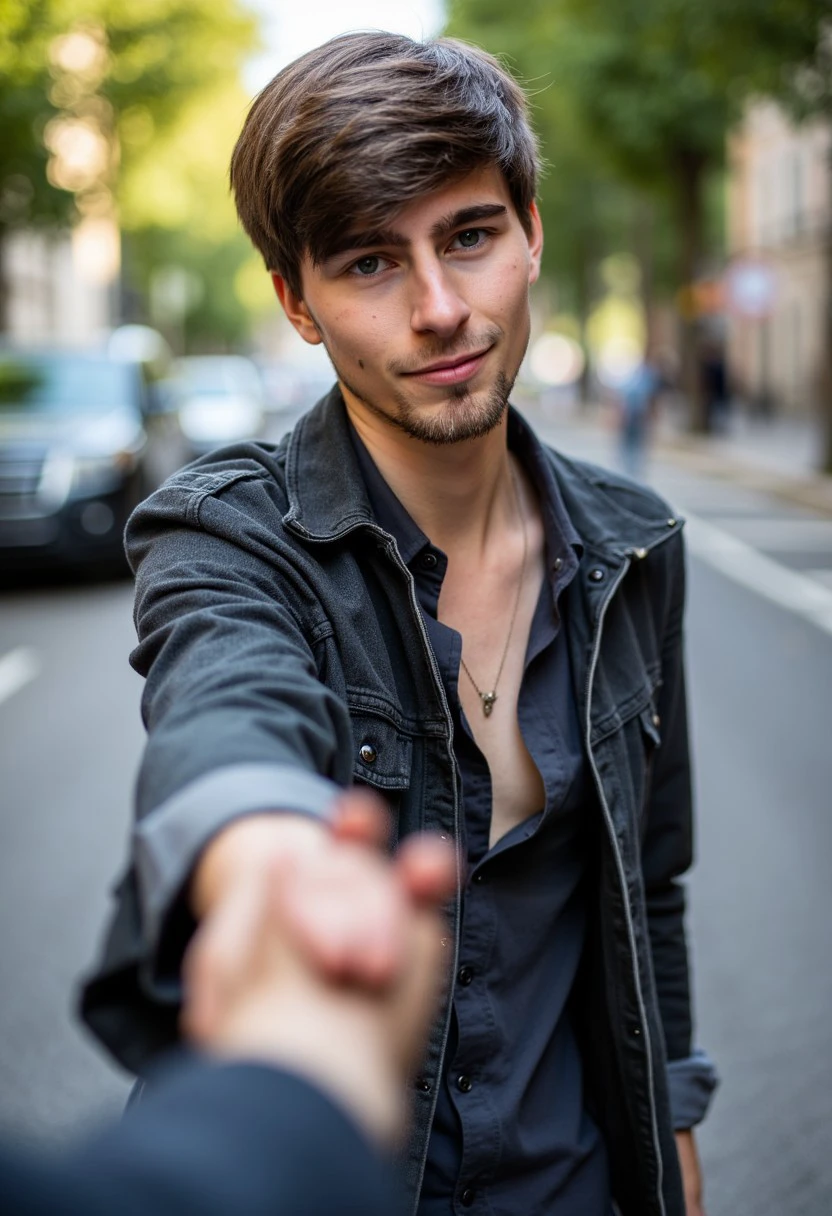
[[777, 455]]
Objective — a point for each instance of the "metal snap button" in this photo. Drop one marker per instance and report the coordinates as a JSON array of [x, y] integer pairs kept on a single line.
[[429, 560], [671, 523], [557, 564], [464, 1084], [465, 975], [596, 575], [422, 1085], [368, 753], [467, 1198]]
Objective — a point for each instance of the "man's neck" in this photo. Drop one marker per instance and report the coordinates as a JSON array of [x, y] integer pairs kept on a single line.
[[458, 494]]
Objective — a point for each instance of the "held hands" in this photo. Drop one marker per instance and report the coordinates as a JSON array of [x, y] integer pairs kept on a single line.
[[318, 953]]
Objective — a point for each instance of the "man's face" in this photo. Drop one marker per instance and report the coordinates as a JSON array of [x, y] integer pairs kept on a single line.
[[426, 322]]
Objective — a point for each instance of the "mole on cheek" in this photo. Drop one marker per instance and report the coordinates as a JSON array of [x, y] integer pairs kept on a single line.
[[361, 364]]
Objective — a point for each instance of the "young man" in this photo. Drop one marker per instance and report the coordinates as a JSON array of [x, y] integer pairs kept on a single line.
[[411, 592]]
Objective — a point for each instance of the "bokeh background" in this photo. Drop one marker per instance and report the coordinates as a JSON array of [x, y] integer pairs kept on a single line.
[[687, 204]]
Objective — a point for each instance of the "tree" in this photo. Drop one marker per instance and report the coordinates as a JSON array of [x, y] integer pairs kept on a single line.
[[80, 78]]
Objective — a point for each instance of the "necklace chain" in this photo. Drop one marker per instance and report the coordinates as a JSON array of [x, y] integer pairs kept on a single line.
[[488, 698]]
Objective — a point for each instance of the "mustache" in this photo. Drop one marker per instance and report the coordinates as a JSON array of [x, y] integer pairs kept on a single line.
[[434, 352]]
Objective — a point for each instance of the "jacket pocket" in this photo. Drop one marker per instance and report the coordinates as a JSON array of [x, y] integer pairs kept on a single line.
[[382, 753]]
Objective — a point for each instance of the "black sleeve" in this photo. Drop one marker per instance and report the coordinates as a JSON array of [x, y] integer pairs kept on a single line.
[[217, 1140]]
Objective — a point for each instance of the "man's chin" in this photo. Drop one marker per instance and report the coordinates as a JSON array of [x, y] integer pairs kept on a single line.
[[458, 415], [462, 415]]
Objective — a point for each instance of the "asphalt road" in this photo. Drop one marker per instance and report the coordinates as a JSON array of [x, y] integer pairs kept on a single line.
[[760, 661]]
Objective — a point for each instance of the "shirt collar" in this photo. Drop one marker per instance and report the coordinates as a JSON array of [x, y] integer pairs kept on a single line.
[[563, 544]]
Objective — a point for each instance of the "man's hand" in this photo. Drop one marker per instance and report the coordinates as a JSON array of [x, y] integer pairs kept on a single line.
[[249, 847], [327, 959], [691, 1173]]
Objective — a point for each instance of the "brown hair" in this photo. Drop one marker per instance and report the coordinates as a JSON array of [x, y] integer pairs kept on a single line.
[[356, 129]]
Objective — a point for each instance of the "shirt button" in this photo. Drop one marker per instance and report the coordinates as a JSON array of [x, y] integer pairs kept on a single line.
[[597, 575], [557, 564], [368, 753], [465, 975], [423, 1086], [429, 561], [467, 1197], [464, 1084]]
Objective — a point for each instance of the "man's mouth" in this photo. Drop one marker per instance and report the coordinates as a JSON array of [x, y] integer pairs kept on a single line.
[[451, 371]]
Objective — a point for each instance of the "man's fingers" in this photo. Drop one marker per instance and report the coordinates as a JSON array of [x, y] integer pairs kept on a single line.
[[361, 818], [346, 913], [428, 868]]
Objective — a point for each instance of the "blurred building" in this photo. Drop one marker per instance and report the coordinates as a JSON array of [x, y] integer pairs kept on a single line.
[[62, 287], [779, 226]]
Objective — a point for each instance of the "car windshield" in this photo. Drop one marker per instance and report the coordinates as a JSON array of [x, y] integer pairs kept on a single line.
[[222, 377], [63, 383]]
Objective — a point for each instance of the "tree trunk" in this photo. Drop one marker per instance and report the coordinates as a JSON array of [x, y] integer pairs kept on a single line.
[[4, 283], [690, 172], [582, 300], [643, 242]]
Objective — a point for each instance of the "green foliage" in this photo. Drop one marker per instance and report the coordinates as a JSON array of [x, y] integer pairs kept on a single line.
[[156, 84]]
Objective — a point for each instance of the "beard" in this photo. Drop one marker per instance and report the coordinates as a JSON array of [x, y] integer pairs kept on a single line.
[[463, 415]]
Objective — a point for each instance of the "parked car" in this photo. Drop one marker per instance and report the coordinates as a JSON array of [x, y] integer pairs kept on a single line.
[[80, 446], [219, 399]]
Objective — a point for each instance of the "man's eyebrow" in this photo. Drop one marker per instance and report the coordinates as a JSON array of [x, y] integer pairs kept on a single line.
[[373, 238], [467, 215], [386, 238]]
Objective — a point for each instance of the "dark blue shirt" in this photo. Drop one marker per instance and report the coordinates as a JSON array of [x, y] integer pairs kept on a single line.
[[511, 1135]]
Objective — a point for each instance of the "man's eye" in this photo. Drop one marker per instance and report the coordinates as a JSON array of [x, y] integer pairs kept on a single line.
[[470, 238], [367, 266]]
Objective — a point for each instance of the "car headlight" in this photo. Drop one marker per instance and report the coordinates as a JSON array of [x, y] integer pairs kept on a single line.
[[98, 474]]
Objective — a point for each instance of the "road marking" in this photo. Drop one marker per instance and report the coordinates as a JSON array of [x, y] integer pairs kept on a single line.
[[17, 669], [740, 562]]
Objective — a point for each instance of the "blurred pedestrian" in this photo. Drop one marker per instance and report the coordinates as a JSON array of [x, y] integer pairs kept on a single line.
[[637, 402], [413, 592]]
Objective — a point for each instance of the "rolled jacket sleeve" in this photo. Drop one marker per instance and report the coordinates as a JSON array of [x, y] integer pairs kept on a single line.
[[692, 1083], [168, 841]]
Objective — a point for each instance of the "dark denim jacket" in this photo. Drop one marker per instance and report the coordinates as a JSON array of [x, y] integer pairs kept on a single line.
[[285, 651]]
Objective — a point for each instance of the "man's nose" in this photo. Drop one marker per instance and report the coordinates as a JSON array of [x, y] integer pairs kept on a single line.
[[437, 306]]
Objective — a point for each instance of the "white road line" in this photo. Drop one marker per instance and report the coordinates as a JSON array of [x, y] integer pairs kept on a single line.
[[821, 576], [17, 668], [740, 562]]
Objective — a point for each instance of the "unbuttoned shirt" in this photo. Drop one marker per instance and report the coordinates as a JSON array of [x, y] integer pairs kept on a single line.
[[511, 1134]]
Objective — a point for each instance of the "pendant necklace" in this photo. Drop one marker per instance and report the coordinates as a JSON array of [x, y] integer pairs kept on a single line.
[[488, 698]]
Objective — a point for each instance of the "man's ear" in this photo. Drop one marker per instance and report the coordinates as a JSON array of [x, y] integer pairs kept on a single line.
[[296, 311], [535, 238]]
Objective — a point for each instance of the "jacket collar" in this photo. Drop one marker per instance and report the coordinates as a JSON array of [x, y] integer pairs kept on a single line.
[[327, 497]]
